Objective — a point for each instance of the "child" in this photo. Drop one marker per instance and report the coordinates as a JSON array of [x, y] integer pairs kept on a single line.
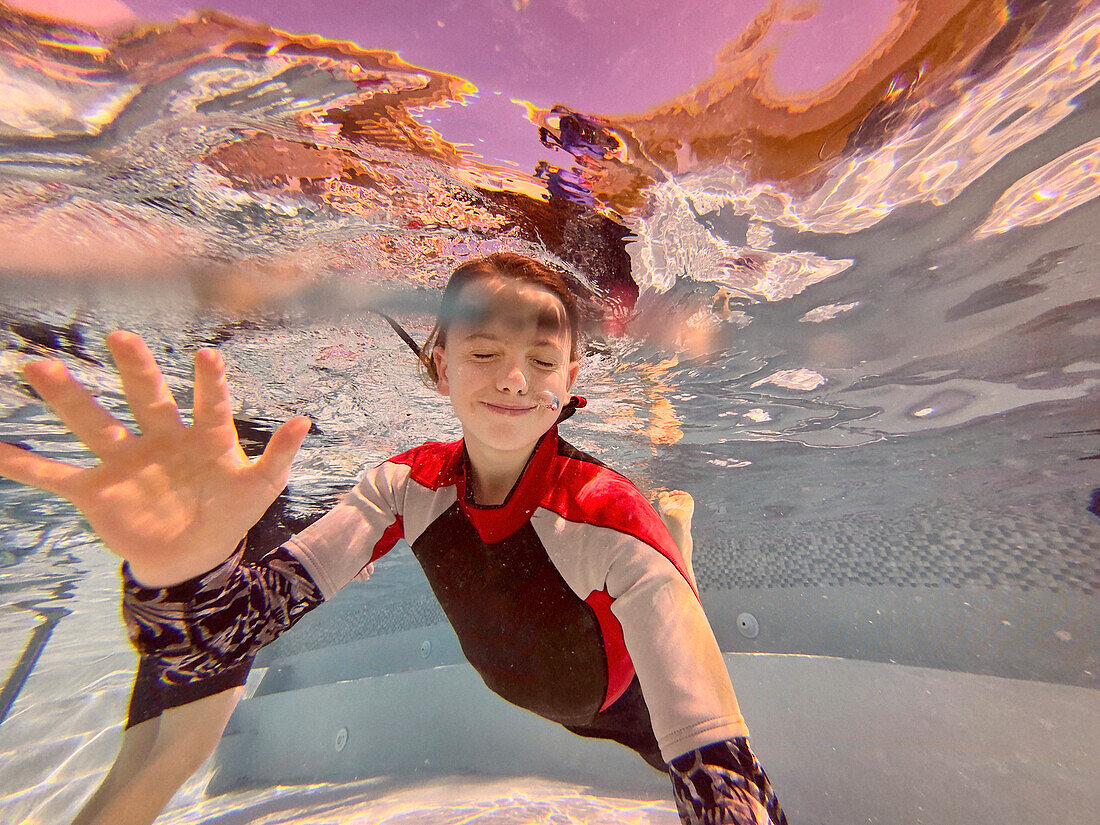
[[566, 590]]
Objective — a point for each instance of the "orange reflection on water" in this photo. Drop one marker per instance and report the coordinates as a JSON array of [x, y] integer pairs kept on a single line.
[[740, 114], [663, 424]]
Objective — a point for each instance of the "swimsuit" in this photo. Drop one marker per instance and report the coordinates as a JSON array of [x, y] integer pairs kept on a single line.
[[570, 599]]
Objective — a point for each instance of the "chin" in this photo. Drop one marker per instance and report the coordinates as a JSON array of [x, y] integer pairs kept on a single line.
[[499, 439]]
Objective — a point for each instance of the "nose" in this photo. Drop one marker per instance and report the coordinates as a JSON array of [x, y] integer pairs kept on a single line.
[[511, 377]]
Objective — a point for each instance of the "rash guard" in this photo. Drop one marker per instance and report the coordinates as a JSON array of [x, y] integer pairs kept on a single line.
[[570, 599], [558, 596]]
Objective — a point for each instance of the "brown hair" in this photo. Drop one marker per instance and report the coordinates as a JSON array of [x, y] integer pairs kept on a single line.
[[506, 265]]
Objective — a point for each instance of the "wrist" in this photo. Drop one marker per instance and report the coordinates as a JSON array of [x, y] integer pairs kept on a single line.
[[178, 579]]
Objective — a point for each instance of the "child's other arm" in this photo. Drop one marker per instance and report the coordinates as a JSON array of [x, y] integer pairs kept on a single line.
[[715, 775], [197, 640], [202, 634]]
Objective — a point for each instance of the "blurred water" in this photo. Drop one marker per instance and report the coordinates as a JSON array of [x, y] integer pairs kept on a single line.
[[849, 301]]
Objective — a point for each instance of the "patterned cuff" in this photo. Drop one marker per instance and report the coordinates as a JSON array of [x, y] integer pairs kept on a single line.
[[724, 784], [185, 591], [199, 628]]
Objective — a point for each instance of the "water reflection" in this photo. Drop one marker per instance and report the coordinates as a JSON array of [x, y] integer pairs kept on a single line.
[[839, 263], [375, 802]]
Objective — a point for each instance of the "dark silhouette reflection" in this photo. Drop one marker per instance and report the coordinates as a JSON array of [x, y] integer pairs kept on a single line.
[[43, 338]]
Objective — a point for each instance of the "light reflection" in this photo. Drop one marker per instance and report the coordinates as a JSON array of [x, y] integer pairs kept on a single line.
[[430, 802], [827, 312], [1051, 190], [797, 379]]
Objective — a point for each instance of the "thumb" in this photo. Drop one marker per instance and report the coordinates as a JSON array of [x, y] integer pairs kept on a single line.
[[281, 449]]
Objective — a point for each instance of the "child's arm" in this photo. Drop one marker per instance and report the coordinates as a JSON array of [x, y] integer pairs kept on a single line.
[[715, 775], [724, 782], [724, 776]]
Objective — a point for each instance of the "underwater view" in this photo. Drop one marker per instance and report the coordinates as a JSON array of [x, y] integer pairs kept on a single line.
[[836, 265]]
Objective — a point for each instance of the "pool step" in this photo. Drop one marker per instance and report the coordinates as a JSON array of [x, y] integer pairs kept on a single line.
[[842, 740], [441, 720]]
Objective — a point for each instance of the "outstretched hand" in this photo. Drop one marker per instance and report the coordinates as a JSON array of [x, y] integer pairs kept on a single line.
[[175, 500]]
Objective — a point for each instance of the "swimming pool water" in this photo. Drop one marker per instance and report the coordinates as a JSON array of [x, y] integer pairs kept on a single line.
[[846, 268]]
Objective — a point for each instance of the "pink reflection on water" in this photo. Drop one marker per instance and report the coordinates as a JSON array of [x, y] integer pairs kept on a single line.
[[818, 48], [96, 13]]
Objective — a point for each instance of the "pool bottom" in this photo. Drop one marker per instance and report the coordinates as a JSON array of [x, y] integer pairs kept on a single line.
[[842, 740]]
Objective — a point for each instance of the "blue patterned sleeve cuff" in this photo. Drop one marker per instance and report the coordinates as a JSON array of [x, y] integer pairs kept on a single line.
[[724, 784]]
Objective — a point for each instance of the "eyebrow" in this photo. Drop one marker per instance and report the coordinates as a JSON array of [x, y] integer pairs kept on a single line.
[[490, 337]]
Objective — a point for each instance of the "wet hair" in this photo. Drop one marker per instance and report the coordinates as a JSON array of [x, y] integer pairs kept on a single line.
[[508, 265]]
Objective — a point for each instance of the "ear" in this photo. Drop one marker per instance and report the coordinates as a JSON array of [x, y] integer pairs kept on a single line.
[[439, 356], [571, 374]]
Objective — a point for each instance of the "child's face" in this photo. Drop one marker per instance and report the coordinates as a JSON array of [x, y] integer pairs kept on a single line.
[[510, 342]]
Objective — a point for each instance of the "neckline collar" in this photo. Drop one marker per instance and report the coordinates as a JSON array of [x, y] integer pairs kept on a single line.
[[495, 522]]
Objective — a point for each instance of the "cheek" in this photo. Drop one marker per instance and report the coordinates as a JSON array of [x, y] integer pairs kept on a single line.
[[466, 377]]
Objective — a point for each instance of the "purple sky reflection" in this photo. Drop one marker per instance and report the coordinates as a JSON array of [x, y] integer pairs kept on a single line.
[[610, 58], [810, 54], [605, 58]]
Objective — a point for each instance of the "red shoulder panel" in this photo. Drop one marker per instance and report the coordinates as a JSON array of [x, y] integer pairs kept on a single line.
[[590, 493], [620, 668], [434, 464], [388, 539]]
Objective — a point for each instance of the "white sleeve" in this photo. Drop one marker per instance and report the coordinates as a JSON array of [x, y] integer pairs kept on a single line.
[[679, 664], [362, 527]]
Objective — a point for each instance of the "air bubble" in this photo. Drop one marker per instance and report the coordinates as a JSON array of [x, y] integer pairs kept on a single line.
[[548, 400]]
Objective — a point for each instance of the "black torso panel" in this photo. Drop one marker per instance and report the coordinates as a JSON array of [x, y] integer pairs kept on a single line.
[[528, 635]]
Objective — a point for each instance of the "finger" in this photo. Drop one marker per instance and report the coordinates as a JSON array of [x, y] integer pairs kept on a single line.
[[75, 406], [213, 405], [36, 470], [281, 449], [147, 392]]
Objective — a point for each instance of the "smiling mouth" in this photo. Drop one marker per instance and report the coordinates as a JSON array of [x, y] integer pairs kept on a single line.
[[506, 410]]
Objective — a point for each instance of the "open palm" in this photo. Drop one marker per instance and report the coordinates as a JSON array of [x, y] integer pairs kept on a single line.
[[176, 500]]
